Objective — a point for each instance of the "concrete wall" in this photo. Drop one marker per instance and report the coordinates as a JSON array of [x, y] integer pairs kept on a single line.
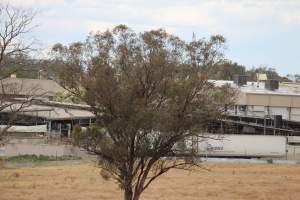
[[39, 147], [293, 152], [274, 104], [266, 99]]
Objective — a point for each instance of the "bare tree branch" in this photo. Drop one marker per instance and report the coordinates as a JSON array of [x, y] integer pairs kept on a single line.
[[15, 24]]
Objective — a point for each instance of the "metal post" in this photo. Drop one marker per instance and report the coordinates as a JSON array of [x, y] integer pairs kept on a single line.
[[60, 129], [265, 122], [222, 131], [49, 128]]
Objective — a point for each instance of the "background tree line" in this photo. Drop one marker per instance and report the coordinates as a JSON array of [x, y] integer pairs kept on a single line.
[[226, 69], [29, 67]]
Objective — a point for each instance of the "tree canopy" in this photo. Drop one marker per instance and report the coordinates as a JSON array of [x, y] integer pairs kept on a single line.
[[149, 92]]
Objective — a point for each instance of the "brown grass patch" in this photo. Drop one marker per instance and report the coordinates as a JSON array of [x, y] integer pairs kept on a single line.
[[223, 182]]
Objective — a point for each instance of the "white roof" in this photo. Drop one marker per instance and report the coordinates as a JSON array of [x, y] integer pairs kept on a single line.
[[26, 129], [63, 113], [52, 112], [259, 88]]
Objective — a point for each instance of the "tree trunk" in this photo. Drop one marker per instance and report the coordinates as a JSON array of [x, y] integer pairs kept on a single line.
[[136, 196], [1, 159], [128, 195]]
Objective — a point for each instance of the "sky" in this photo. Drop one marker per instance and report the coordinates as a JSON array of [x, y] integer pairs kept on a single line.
[[258, 32]]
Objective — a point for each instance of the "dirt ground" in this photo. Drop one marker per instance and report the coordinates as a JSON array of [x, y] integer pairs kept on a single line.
[[223, 182]]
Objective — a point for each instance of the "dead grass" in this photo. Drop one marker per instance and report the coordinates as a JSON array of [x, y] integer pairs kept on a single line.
[[224, 182]]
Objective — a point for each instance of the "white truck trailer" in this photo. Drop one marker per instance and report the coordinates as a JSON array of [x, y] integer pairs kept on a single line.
[[212, 145]]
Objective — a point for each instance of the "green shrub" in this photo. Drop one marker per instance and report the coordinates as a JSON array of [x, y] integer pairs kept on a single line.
[[77, 135], [270, 161], [39, 158]]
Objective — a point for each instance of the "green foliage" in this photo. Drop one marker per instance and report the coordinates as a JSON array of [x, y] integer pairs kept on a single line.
[[270, 161], [77, 135], [148, 91], [292, 77], [39, 158], [66, 97], [270, 72], [226, 70]]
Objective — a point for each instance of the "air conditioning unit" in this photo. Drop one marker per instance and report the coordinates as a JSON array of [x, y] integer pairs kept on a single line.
[[240, 80], [272, 85]]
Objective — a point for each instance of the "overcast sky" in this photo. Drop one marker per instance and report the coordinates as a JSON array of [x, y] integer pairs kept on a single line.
[[258, 32]]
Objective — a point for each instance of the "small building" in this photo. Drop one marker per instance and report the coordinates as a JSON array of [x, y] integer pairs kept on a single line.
[[42, 110], [24, 88], [60, 118]]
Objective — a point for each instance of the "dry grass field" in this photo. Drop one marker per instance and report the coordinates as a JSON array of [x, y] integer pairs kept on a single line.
[[223, 182]]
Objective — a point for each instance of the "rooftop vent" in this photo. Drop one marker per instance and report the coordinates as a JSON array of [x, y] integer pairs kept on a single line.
[[272, 84], [240, 80]]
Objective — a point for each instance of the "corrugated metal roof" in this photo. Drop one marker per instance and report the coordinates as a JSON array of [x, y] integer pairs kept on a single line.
[[52, 112], [30, 87]]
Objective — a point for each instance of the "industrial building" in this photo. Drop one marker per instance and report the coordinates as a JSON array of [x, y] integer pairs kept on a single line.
[[58, 118], [265, 107]]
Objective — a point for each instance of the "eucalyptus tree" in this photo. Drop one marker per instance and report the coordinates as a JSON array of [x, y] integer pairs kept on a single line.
[[149, 92]]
